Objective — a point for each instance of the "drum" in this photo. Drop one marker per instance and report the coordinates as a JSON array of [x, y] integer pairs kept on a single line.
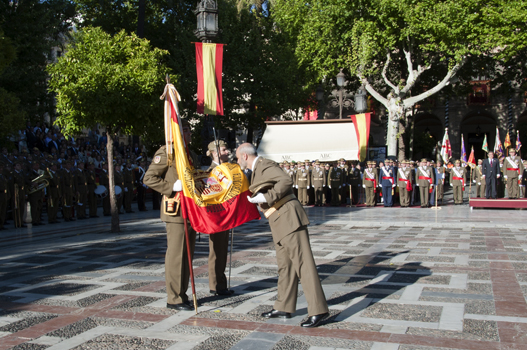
[[101, 191], [118, 191]]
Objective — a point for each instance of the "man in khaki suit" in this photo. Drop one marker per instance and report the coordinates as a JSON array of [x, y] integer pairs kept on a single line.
[[164, 178], [219, 241], [303, 182], [370, 182], [425, 181], [479, 180], [404, 182], [288, 222], [318, 180], [458, 177], [512, 173]]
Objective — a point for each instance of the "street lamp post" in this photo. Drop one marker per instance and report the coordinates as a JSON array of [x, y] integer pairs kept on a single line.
[[320, 97], [207, 18], [341, 102]]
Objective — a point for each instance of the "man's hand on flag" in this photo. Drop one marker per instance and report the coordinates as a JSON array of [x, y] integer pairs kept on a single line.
[[178, 186], [259, 198]]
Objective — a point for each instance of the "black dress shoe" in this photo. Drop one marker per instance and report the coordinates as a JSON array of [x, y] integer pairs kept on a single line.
[[314, 321], [222, 292], [275, 313], [180, 307]]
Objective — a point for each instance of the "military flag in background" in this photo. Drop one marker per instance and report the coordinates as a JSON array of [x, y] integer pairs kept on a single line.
[[215, 201], [463, 150], [507, 142], [498, 147], [472, 159], [518, 143], [361, 122], [446, 150], [485, 146], [209, 66]]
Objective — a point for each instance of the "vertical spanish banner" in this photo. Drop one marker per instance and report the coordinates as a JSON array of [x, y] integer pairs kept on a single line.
[[361, 122], [209, 67]]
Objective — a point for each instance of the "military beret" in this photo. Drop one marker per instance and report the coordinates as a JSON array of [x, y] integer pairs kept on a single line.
[[317, 162], [424, 160], [213, 145], [327, 164], [342, 160], [458, 161]]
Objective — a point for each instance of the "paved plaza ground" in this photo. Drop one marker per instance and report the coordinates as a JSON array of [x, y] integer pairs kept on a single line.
[[394, 279]]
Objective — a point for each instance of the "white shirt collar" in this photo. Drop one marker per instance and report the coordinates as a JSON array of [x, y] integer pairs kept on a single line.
[[254, 163]]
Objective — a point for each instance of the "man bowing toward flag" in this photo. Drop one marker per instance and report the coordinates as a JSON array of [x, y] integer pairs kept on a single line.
[[273, 192]]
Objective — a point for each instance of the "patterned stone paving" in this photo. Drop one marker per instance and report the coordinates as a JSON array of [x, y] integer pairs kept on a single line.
[[394, 279]]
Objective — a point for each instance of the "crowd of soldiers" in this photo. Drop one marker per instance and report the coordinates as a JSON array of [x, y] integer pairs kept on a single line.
[[406, 182], [69, 178]]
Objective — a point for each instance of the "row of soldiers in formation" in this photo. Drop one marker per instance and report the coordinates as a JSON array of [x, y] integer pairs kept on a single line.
[[70, 187], [336, 183]]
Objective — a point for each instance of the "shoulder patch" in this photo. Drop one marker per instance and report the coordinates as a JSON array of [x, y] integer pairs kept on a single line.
[[157, 159]]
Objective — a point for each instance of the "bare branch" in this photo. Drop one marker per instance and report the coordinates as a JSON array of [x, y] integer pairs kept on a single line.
[[408, 56], [409, 102], [386, 80], [372, 91]]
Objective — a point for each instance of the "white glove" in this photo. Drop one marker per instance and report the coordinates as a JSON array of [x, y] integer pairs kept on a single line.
[[479, 183], [520, 177], [329, 187], [363, 186], [474, 181], [178, 186], [126, 189], [259, 198], [417, 184], [451, 185], [431, 185], [307, 188], [498, 176], [505, 177], [296, 186], [393, 186]]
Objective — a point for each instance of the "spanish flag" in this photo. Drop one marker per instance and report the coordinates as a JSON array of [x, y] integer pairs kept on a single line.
[[361, 122], [209, 65], [215, 201]]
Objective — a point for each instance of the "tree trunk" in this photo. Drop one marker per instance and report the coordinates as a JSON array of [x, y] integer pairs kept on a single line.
[[111, 190], [402, 146], [393, 128]]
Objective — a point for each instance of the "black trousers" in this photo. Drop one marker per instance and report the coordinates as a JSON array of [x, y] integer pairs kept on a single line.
[[490, 189]]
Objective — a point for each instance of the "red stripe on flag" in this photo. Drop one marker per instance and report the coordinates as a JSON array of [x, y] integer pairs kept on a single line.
[[220, 217], [199, 70], [219, 69]]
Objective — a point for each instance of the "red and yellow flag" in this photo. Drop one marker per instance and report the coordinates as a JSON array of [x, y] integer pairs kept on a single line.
[[472, 159], [215, 201], [209, 65], [362, 129]]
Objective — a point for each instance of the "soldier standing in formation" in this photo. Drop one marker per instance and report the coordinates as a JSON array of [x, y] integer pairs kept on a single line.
[[335, 183], [19, 197], [128, 175], [68, 191], [343, 192], [141, 187], [303, 182], [425, 181], [318, 180], [218, 242], [439, 182], [479, 180], [512, 173], [458, 177], [387, 182], [118, 180], [369, 183], [54, 194], [354, 182], [92, 185], [36, 197], [82, 191], [105, 181], [404, 182]]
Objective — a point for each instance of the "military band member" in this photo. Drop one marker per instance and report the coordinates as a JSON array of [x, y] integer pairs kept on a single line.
[[82, 191], [369, 183], [104, 180], [92, 185], [140, 186], [118, 180], [387, 179], [479, 180], [54, 194], [404, 182], [513, 173], [318, 180], [35, 198], [68, 190], [218, 242], [290, 235], [458, 177], [303, 181], [164, 178], [128, 175], [425, 181]]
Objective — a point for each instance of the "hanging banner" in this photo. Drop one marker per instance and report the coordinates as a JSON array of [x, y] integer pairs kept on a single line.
[[209, 66], [361, 122]]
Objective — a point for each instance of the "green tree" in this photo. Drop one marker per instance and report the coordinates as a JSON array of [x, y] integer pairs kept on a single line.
[[390, 45], [111, 80], [34, 27]]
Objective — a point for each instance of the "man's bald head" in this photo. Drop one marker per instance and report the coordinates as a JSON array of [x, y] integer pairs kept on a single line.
[[246, 153]]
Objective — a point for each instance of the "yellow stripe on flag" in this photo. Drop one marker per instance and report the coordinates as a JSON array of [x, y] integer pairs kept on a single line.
[[363, 135], [209, 78]]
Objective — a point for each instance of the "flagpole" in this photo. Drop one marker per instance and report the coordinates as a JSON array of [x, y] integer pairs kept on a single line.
[[189, 256]]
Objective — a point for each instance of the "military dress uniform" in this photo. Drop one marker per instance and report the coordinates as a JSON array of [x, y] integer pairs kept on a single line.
[[354, 181], [303, 181], [161, 177], [68, 193], [318, 180], [21, 185], [118, 180], [424, 181], [92, 197], [512, 172], [404, 182], [387, 178], [344, 190], [128, 175], [458, 176], [479, 181], [370, 180], [335, 183], [105, 181], [82, 193], [141, 190], [291, 238], [439, 184], [36, 201], [53, 196]]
